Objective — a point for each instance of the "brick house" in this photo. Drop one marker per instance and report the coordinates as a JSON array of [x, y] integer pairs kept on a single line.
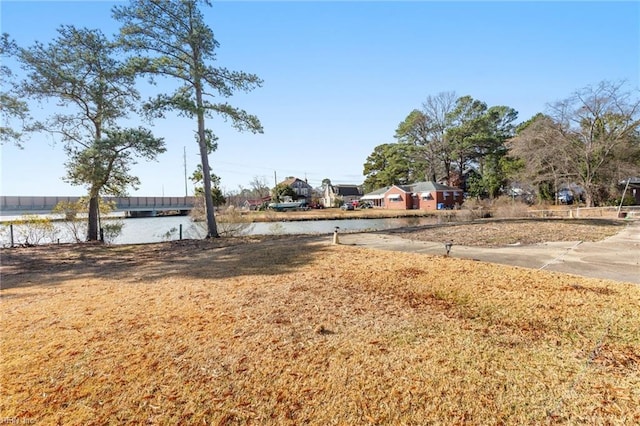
[[420, 195], [376, 198]]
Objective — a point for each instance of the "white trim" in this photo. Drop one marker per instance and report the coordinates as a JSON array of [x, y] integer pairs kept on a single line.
[[395, 197]]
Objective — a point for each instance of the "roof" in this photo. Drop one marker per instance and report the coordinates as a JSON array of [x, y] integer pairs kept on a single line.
[[414, 187], [632, 182], [257, 201], [291, 180], [431, 186], [375, 195], [346, 190]]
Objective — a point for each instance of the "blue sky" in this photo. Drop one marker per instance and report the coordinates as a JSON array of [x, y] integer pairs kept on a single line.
[[340, 76]]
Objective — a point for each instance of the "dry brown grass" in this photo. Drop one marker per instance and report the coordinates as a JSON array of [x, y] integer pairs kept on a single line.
[[497, 232], [335, 213], [294, 330]]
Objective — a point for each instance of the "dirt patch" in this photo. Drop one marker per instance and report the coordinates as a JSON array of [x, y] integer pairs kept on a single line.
[[494, 233]]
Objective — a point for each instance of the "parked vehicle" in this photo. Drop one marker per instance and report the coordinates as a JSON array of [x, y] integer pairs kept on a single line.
[[347, 206], [365, 205], [565, 196]]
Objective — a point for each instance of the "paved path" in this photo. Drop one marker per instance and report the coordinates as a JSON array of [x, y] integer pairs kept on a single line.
[[616, 258]]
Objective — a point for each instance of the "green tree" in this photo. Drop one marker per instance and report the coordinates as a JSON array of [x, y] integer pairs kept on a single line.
[[103, 167], [93, 90], [490, 150], [281, 191], [451, 134], [414, 131], [477, 136], [171, 39], [427, 129], [466, 130], [391, 164], [216, 193], [11, 105]]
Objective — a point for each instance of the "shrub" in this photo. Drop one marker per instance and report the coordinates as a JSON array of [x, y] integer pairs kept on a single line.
[[233, 223], [628, 200], [74, 218], [31, 230], [505, 207], [472, 208], [111, 230]]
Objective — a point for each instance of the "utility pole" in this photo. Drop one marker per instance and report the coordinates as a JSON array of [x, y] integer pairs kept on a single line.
[[275, 184]]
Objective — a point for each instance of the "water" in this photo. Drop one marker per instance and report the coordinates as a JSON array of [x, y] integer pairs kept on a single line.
[[167, 228]]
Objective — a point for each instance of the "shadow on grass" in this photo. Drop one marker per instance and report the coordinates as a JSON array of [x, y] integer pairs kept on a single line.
[[207, 259]]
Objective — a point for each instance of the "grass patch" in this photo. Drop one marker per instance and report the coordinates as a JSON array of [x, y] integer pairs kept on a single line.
[[295, 331]]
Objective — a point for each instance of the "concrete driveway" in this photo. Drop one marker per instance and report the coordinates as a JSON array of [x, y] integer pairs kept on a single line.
[[615, 258]]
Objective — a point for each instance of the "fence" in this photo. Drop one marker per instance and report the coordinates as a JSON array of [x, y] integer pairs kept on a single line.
[[588, 212]]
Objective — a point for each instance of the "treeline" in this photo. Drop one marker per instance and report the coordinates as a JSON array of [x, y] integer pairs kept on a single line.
[[590, 139]]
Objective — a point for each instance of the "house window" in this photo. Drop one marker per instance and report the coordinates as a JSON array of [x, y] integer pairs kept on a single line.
[[426, 196], [394, 197], [445, 194]]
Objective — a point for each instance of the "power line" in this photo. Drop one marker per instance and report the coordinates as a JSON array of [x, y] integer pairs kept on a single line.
[[312, 176]]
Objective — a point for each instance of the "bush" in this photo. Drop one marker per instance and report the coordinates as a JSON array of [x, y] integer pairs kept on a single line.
[[111, 230], [628, 200], [472, 209], [233, 223], [506, 207], [31, 230]]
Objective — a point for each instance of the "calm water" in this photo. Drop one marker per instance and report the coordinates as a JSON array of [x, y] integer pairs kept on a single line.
[[157, 229]]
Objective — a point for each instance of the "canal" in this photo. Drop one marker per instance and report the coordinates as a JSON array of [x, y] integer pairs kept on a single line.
[[168, 228]]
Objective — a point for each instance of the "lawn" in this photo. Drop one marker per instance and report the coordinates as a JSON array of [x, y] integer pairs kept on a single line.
[[295, 330]]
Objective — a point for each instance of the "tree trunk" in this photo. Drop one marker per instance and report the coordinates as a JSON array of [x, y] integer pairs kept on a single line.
[[92, 227], [212, 227]]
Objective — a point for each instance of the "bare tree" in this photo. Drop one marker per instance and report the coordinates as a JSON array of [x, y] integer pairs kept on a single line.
[[545, 156], [260, 186], [439, 108], [427, 129], [601, 122]]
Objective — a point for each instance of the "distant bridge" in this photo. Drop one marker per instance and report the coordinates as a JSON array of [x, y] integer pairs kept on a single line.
[[132, 206]]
